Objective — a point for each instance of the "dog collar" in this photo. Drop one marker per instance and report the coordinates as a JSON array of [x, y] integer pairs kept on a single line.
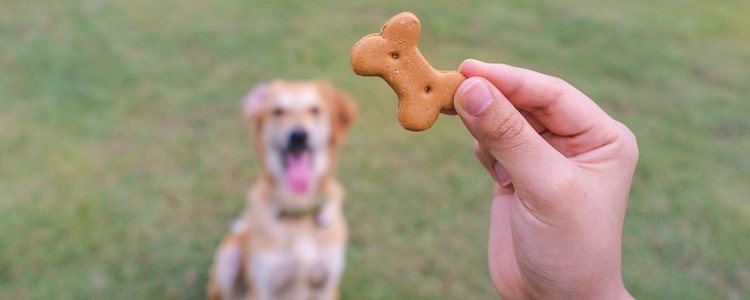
[[299, 213]]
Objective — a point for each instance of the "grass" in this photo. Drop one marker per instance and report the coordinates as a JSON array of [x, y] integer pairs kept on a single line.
[[124, 157]]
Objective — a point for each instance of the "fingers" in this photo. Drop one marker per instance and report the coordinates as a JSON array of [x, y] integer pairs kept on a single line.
[[560, 107], [505, 134], [538, 126], [485, 159], [501, 255], [496, 171]]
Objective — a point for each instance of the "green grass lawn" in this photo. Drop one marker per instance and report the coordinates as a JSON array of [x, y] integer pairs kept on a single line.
[[124, 156]]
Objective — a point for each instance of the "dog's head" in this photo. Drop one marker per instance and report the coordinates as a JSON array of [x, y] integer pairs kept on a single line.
[[298, 127]]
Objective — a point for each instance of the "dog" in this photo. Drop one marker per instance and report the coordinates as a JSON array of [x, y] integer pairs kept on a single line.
[[290, 243]]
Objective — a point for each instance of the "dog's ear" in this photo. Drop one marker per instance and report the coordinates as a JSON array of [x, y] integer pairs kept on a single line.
[[254, 101], [344, 113], [346, 110]]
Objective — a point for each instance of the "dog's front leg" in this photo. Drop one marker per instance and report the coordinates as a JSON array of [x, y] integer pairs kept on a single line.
[[333, 205], [326, 273]]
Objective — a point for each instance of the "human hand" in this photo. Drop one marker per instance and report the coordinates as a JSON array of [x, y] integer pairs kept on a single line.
[[563, 170]]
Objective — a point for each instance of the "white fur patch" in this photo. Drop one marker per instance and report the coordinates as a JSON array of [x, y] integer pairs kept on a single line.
[[272, 270], [303, 97], [305, 250]]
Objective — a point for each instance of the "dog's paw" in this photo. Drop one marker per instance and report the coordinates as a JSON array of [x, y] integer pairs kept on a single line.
[[325, 216]]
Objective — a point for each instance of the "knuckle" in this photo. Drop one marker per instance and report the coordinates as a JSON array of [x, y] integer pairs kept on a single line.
[[558, 84], [558, 89], [506, 130], [477, 150], [627, 143]]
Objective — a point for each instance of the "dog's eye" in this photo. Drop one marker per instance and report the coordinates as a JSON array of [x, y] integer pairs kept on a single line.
[[277, 112], [314, 110]]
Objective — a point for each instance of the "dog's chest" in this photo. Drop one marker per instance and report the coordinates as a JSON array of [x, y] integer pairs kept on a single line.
[[300, 268], [314, 262], [303, 249]]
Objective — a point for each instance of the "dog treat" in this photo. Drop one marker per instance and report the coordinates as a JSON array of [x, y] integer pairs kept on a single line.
[[392, 55]]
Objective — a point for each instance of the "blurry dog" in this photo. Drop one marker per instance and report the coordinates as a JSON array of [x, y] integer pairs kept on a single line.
[[291, 241]]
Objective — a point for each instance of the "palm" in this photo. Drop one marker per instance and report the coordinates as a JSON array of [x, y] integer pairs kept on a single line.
[[556, 218], [514, 229]]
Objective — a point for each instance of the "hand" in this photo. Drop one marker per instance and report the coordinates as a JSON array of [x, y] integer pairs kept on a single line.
[[563, 170]]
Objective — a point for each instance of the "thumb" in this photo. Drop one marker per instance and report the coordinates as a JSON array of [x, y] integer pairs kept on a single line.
[[501, 129]]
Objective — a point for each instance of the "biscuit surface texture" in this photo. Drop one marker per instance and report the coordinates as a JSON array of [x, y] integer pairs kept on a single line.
[[392, 55]]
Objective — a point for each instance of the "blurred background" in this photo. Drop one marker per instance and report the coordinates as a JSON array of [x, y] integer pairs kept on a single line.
[[124, 158]]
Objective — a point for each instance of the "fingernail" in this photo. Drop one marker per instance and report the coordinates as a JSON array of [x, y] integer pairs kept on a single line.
[[502, 175], [475, 97], [466, 62]]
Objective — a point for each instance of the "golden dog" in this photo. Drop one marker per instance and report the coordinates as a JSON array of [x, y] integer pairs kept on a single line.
[[291, 241]]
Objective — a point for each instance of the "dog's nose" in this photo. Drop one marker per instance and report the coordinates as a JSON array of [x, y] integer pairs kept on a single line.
[[298, 139]]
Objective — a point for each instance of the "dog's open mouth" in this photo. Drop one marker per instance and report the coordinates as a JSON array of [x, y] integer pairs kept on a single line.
[[298, 169]]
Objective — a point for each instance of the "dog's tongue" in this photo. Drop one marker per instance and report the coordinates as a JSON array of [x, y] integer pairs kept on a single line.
[[298, 172]]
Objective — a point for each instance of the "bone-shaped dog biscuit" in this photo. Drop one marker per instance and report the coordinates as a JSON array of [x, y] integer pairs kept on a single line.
[[392, 54]]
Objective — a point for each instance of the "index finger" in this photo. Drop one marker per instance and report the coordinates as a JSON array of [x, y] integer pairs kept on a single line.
[[560, 107]]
